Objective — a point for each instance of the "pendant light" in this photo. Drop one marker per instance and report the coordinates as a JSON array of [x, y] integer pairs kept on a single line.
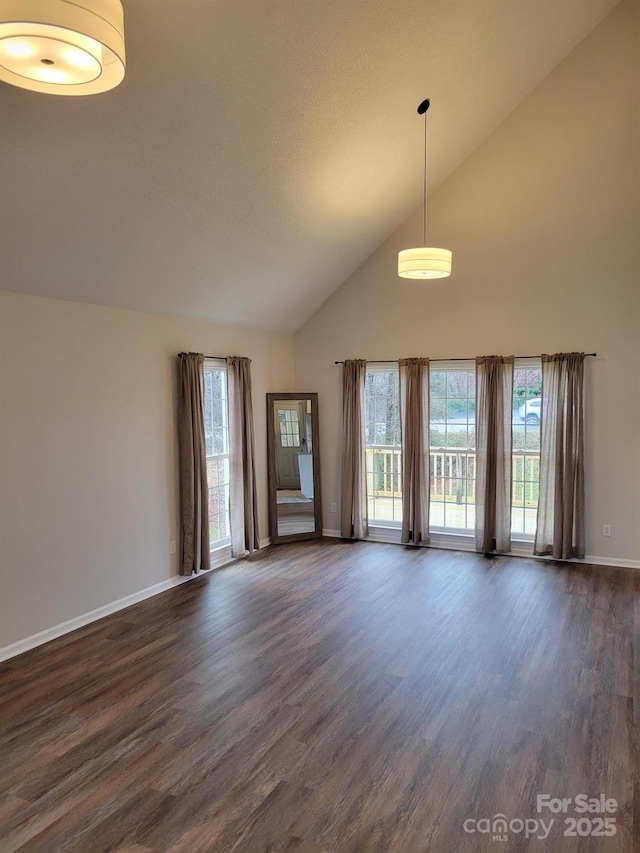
[[424, 262], [62, 47]]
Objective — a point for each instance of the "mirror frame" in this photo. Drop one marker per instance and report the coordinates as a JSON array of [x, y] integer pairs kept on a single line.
[[316, 533]]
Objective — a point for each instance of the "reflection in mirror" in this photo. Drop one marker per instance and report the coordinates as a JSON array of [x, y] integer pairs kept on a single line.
[[293, 466]]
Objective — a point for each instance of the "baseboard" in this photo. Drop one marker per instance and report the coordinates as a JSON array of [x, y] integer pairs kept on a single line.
[[263, 543], [611, 561], [219, 558], [388, 535], [453, 542], [62, 628], [332, 534]]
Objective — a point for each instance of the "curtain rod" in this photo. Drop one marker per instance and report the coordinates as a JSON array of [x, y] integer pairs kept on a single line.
[[395, 360], [214, 357]]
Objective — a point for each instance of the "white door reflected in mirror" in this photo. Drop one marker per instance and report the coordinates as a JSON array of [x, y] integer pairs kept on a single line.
[[293, 468]]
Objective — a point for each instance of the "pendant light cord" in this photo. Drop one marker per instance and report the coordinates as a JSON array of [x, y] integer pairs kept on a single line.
[[422, 111], [424, 195]]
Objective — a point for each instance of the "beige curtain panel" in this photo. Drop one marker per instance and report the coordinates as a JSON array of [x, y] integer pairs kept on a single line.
[[414, 424], [243, 502], [353, 495], [494, 416], [560, 530], [194, 491]]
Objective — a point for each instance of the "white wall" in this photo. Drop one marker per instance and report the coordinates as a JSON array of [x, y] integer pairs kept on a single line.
[[543, 223], [88, 462]]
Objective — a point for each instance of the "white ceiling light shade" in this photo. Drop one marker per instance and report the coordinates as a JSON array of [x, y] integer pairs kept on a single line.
[[61, 47], [424, 262]]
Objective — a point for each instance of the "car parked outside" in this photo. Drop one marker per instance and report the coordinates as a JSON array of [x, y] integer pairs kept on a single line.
[[530, 411]]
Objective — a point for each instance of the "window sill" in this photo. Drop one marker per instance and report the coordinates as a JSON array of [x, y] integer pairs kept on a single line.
[[220, 554], [458, 541]]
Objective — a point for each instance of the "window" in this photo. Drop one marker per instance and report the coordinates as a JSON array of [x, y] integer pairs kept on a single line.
[[216, 428], [527, 392], [383, 450], [289, 427], [452, 439]]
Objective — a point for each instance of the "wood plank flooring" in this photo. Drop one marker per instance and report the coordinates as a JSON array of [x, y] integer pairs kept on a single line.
[[331, 696]]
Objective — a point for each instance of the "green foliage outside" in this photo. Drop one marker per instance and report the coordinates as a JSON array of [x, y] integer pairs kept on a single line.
[[463, 437], [527, 385], [452, 398]]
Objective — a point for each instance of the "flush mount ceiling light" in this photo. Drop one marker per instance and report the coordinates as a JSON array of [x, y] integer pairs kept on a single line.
[[62, 47], [424, 262]]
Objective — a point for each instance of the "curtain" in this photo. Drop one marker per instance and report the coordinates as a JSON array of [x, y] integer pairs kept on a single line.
[[353, 495], [414, 424], [194, 491], [494, 403], [560, 530], [243, 504]]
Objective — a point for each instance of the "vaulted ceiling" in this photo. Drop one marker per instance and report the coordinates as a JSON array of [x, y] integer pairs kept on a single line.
[[259, 150]]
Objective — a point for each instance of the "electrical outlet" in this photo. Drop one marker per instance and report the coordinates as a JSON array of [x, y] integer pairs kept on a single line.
[[334, 508], [172, 546], [606, 530]]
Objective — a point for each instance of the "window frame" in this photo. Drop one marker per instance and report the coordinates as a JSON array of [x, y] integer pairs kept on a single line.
[[517, 535], [220, 365], [396, 455], [467, 366]]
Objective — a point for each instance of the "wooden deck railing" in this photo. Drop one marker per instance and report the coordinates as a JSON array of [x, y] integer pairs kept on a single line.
[[453, 473]]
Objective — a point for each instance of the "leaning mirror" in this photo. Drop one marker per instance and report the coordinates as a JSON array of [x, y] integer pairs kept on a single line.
[[295, 507]]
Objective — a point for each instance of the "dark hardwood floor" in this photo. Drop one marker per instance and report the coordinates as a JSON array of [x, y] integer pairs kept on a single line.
[[330, 696]]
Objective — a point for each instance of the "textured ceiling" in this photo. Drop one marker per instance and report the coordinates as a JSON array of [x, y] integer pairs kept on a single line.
[[259, 150]]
